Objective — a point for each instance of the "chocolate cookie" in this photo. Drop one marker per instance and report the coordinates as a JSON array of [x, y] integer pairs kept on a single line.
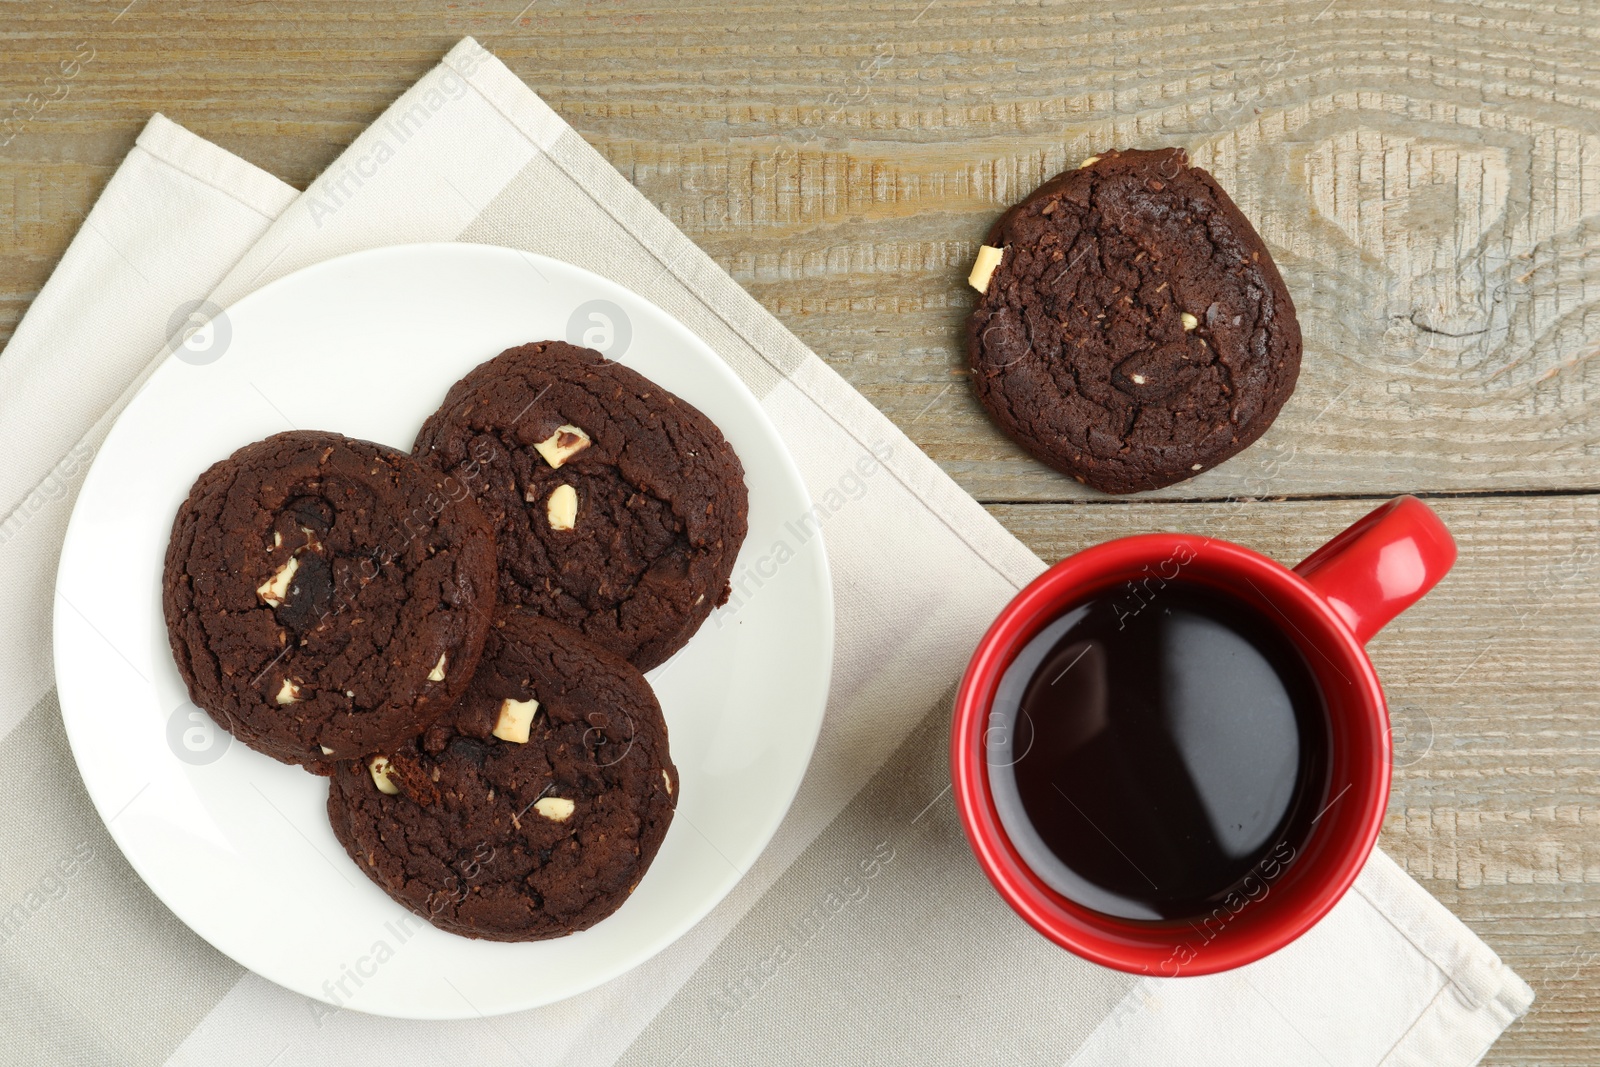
[[1134, 330], [326, 597], [618, 507], [534, 810]]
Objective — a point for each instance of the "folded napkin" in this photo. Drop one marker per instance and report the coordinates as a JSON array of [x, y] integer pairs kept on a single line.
[[865, 932]]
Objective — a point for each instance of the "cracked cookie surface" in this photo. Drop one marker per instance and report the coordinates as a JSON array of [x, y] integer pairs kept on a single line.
[[513, 841], [1136, 332], [325, 597], [636, 552]]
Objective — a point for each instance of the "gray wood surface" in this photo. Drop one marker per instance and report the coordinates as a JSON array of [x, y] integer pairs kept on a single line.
[[1427, 175]]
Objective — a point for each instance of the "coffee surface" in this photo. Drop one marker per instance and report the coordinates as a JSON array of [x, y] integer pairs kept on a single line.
[[1149, 750]]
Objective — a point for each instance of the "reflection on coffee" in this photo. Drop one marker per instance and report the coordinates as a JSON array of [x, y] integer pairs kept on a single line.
[[1147, 756]]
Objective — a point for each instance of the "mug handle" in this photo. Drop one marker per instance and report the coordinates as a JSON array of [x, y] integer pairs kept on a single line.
[[1381, 565]]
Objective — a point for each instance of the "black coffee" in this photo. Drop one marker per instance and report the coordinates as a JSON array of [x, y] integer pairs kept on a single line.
[[1148, 752]]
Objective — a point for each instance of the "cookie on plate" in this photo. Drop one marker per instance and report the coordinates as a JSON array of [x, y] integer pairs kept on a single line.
[[618, 508], [533, 810], [1131, 330], [327, 597]]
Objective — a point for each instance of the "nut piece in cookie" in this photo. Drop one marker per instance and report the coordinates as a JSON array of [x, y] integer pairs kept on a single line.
[[274, 589], [567, 441], [556, 809], [515, 719], [524, 838], [562, 508], [983, 267], [380, 769], [1136, 330]]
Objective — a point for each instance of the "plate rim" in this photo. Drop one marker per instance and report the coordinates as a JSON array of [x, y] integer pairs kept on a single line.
[[74, 534]]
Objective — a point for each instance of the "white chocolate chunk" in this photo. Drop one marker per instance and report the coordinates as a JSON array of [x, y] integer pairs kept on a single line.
[[437, 674], [1138, 379], [326, 751], [288, 693], [380, 769], [562, 508], [562, 445], [1091, 161], [274, 589], [514, 719], [1188, 320], [984, 267], [277, 539], [667, 780], [1196, 467], [556, 809]]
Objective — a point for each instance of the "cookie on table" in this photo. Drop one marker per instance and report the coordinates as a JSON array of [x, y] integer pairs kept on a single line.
[[532, 811], [1131, 329], [327, 597], [618, 508]]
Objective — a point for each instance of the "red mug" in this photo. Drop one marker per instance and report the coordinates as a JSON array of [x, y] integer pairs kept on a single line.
[[1329, 606]]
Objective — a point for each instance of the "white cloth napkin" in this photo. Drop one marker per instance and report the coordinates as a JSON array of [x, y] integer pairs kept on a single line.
[[919, 963]]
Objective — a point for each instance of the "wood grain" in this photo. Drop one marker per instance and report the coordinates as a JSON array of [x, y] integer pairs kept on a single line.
[[1427, 175]]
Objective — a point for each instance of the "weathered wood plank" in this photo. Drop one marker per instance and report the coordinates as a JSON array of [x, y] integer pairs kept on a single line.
[[1428, 175], [1491, 683]]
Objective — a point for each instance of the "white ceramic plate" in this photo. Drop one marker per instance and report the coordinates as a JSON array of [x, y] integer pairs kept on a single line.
[[239, 845]]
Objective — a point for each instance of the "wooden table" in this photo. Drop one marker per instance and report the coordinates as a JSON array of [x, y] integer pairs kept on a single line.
[[1427, 176]]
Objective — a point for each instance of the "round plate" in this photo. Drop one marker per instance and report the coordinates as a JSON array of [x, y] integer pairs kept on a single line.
[[238, 845]]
